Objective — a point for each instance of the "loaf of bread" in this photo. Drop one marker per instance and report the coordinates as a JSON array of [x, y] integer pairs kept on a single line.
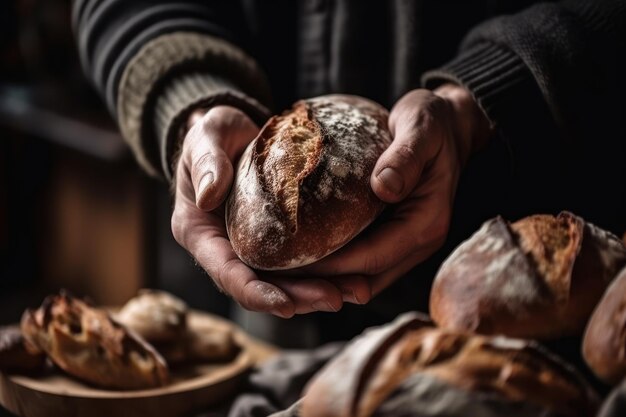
[[162, 320], [604, 344], [86, 343], [409, 368], [157, 316], [537, 278], [302, 187]]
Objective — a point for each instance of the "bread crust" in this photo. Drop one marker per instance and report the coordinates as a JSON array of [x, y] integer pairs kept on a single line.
[[155, 315], [368, 371], [86, 343], [539, 277], [302, 187], [604, 343]]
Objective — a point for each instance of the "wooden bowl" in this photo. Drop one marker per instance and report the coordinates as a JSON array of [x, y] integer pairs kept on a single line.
[[193, 387]]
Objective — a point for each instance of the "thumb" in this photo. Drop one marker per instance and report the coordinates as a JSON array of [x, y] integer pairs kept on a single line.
[[211, 174], [400, 166]]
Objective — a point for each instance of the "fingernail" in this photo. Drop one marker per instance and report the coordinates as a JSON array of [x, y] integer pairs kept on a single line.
[[349, 296], [282, 314], [322, 305], [205, 181], [392, 180]]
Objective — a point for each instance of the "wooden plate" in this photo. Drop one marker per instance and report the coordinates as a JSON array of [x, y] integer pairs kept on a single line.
[[193, 387]]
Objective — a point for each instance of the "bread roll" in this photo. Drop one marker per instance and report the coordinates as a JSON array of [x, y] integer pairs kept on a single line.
[[302, 187], [604, 344], [157, 316], [414, 369], [86, 343], [538, 278]]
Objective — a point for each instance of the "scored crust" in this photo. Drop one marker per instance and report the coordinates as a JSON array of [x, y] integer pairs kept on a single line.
[[85, 342], [302, 189], [370, 368], [538, 278]]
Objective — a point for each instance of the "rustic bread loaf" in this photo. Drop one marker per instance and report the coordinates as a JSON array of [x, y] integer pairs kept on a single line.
[[411, 368], [604, 344], [86, 343], [162, 320], [302, 187], [539, 277], [155, 315]]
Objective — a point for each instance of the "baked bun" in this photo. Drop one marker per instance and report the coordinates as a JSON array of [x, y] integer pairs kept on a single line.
[[302, 187], [202, 343], [157, 316], [604, 344], [17, 355], [162, 319], [409, 368], [86, 343], [537, 278]]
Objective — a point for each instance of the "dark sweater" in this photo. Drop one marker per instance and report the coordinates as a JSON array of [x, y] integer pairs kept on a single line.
[[550, 77]]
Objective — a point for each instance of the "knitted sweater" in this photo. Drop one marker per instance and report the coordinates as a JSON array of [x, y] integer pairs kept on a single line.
[[551, 70]]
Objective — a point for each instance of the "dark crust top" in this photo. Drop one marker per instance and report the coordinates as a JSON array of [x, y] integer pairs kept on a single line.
[[537, 278]]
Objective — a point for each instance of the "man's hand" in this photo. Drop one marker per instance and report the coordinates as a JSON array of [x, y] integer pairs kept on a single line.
[[204, 175], [434, 134]]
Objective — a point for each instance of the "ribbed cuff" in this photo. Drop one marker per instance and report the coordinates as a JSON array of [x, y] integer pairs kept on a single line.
[[489, 71], [187, 92], [158, 65]]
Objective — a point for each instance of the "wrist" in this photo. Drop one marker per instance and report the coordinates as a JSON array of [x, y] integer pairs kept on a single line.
[[472, 128]]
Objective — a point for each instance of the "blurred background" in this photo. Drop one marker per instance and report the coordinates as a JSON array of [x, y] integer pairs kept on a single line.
[[75, 210]]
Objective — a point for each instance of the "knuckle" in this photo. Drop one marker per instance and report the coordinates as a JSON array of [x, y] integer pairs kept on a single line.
[[224, 272], [201, 162], [406, 154]]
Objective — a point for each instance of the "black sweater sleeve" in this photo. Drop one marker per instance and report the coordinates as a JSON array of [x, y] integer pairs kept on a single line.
[[194, 51], [551, 79]]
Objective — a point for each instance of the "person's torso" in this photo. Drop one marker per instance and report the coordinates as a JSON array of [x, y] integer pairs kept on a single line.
[[374, 48]]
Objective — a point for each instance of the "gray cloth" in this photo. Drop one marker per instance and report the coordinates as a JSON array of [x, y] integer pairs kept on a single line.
[[275, 387], [615, 403]]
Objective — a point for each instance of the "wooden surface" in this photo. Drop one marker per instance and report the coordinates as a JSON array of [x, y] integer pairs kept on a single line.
[[194, 387]]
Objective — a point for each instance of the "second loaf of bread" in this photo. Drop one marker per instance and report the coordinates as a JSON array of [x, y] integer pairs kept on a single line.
[[302, 187], [537, 278]]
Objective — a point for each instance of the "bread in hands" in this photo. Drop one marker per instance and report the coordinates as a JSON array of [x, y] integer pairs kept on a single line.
[[302, 187]]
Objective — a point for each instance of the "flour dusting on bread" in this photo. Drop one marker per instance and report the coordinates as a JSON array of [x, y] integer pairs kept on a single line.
[[302, 186]]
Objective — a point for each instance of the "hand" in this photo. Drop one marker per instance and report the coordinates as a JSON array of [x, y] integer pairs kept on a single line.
[[204, 175], [434, 134]]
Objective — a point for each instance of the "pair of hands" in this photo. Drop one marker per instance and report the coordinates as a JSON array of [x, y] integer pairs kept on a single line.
[[434, 134]]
